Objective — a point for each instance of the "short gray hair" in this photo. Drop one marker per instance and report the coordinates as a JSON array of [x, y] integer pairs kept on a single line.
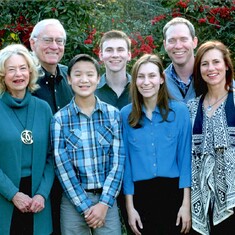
[[40, 26]]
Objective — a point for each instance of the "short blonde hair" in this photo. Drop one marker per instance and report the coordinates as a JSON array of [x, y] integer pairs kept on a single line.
[[18, 49]]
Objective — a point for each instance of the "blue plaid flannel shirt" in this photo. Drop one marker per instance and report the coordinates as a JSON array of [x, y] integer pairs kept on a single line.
[[88, 152]]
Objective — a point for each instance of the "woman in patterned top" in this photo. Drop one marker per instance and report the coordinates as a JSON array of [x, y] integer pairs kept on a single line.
[[213, 146]]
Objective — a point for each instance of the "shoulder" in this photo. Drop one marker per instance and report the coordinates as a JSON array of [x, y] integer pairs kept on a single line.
[[125, 111], [42, 106], [65, 111], [63, 67], [178, 105], [193, 102], [106, 107], [168, 69]]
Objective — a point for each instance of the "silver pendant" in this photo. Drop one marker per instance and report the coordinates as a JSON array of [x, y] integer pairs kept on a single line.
[[26, 137], [209, 108]]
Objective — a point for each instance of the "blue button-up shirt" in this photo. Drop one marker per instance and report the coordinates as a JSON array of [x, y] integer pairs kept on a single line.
[[158, 149], [89, 152]]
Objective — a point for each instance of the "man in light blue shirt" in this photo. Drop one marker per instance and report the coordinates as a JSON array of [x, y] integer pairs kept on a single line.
[[180, 42]]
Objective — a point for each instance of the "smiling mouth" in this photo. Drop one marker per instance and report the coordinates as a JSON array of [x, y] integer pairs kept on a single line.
[[212, 75], [178, 53], [18, 81]]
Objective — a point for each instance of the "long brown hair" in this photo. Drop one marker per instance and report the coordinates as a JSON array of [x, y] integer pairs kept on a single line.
[[199, 83], [137, 98]]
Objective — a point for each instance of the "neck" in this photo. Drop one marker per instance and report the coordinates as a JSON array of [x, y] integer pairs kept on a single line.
[[51, 68], [150, 105], [18, 95], [216, 92], [86, 104], [117, 81], [184, 71]]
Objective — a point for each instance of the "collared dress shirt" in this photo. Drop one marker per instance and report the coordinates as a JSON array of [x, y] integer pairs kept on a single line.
[[158, 149], [54, 89], [177, 88], [89, 152], [108, 95]]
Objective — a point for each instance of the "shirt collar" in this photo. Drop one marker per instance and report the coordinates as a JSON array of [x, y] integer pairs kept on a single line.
[[98, 105], [48, 75], [103, 80], [176, 77]]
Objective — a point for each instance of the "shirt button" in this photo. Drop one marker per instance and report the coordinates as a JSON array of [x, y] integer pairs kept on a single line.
[[58, 107], [154, 164], [46, 82], [55, 90]]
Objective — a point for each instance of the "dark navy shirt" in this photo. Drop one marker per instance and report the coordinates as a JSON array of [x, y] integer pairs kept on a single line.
[[55, 90]]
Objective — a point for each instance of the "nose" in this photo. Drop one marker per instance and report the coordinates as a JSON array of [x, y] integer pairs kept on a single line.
[[53, 45], [84, 78], [115, 53], [178, 44], [211, 66], [146, 80], [18, 72]]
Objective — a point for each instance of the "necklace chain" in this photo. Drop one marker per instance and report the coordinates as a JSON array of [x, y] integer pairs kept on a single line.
[[26, 135], [210, 106]]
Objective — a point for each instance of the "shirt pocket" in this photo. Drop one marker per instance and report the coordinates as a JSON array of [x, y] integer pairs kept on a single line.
[[73, 140], [104, 136]]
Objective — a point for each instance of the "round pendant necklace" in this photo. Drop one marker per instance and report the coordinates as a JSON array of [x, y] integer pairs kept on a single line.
[[26, 135], [210, 106]]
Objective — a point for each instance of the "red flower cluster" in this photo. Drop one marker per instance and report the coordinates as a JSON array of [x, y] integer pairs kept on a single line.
[[22, 29], [183, 3], [141, 45], [215, 15], [157, 19], [223, 12], [90, 37]]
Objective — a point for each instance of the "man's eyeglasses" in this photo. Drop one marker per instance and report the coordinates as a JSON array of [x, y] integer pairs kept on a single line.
[[49, 41]]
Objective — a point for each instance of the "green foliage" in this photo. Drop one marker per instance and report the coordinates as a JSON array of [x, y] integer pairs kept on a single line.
[[86, 20]]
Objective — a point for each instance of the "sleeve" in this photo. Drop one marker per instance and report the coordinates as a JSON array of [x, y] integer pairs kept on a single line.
[[7, 187], [112, 184], [65, 170], [128, 184], [48, 173], [184, 149]]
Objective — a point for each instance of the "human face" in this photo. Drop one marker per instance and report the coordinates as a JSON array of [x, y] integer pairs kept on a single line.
[[148, 80], [179, 44], [83, 79], [115, 55], [17, 75], [213, 68], [48, 54]]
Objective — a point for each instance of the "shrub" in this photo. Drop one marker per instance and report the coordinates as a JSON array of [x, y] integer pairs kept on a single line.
[[86, 20]]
